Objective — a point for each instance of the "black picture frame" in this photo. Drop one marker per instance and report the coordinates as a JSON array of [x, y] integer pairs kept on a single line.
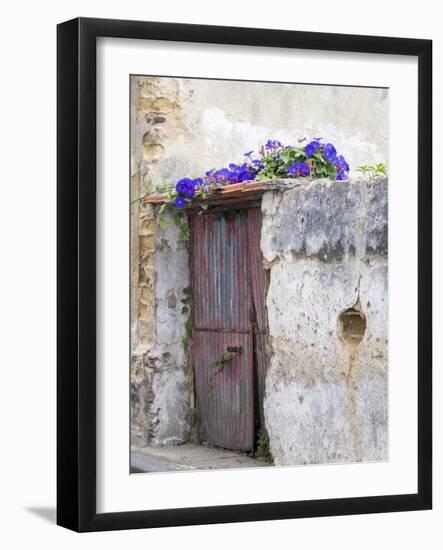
[[76, 279]]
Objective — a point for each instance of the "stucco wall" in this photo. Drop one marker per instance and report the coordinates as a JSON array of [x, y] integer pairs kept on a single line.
[[325, 244], [183, 127]]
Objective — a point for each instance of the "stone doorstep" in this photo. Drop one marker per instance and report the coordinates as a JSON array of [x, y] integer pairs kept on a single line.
[[189, 457]]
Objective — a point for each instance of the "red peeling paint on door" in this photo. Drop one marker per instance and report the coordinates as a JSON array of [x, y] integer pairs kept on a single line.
[[228, 314]]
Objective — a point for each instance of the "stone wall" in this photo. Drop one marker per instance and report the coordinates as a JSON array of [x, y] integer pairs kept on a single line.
[[325, 244], [183, 127], [161, 381], [161, 377]]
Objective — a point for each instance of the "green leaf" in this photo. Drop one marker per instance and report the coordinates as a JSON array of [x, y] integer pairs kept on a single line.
[[381, 169], [163, 223], [187, 291], [185, 310]]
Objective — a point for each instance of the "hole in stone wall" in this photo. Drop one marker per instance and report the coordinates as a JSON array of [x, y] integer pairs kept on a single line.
[[352, 325]]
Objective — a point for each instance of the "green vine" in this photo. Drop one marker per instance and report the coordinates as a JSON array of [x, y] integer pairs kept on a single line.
[[226, 359], [179, 217], [223, 361]]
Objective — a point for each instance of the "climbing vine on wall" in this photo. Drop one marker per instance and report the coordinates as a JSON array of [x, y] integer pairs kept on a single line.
[[223, 361]]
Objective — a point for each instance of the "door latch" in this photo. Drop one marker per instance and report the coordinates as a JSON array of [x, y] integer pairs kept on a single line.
[[234, 349]]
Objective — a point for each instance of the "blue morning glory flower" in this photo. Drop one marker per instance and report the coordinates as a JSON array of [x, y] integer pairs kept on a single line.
[[186, 187], [312, 147], [179, 201], [329, 152], [256, 166], [221, 176], [181, 184], [240, 173], [273, 144], [341, 164], [299, 169], [245, 176], [235, 174]]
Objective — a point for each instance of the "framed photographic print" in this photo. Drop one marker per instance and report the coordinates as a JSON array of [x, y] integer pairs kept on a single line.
[[244, 274]]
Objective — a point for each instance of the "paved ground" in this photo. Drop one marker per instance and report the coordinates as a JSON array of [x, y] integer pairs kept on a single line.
[[189, 457]]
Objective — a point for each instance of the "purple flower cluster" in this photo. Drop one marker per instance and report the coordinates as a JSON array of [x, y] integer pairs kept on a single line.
[[299, 169], [179, 201], [236, 173], [329, 153], [186, 188], [257, 165], [312, 147], [273, 144], [270, 147], [315, 159], [342, 168]]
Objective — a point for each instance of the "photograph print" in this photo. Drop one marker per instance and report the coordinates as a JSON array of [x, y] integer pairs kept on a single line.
[[259, 274]]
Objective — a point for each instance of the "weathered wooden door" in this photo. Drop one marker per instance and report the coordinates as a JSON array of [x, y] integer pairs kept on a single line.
[[228, 319]]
